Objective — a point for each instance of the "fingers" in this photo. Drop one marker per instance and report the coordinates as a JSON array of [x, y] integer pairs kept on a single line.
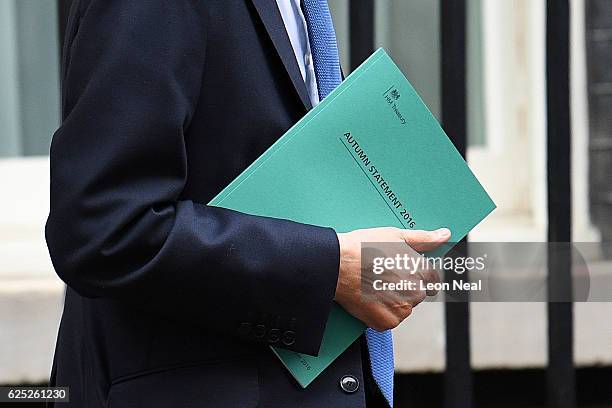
[[390, 310], [430, 276], [388, 318], [423, 241]]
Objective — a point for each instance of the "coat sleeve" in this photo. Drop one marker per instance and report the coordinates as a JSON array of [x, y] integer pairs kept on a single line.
[[117, 227]]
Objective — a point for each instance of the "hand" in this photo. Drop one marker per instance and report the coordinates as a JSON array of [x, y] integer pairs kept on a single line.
[[390, 309]]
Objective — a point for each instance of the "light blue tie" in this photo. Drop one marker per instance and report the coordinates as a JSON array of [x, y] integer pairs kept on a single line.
[[326, 62], [323, 46]]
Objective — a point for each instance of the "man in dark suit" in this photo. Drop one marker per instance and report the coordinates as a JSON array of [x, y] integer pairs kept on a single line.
[[171, 303]]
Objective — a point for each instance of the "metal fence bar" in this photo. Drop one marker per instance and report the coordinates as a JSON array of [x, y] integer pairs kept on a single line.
[[560, 374], [453, 19], [361, 30]]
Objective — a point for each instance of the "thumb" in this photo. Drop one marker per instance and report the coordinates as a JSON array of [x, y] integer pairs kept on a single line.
[[423, 241]]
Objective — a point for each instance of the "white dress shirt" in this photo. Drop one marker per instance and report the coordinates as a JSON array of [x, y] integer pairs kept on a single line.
[[295, 24]]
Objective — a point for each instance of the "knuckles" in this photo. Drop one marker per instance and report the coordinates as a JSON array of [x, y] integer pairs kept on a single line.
[[392, 318], [386, 324], [419, 297]]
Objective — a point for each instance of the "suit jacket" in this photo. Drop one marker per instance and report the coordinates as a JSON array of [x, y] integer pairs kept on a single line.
[[171, 303]]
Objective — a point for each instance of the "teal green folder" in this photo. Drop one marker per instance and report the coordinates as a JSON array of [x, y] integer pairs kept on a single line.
[[370, 155]]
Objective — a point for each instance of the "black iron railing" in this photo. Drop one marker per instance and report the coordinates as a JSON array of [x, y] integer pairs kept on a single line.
[[561, 382], [458, 379]]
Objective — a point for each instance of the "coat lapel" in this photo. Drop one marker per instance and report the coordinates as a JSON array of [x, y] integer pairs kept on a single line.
[[273, 22]]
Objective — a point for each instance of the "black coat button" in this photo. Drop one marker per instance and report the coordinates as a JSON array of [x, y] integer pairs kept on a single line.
[[273, 336], [260, 331], [244, 329], [349, 384], [288, 338]]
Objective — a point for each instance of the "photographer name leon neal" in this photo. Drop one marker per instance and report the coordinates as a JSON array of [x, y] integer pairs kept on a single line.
[[405, 284]]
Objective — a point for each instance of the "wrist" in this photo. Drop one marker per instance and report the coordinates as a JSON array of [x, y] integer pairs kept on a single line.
[[348, 276]]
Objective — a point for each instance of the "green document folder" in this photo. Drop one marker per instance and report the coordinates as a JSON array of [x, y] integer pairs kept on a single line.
[[369, 155]]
